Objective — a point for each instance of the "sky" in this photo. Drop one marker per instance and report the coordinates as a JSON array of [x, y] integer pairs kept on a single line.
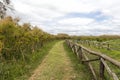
[[74, 17]]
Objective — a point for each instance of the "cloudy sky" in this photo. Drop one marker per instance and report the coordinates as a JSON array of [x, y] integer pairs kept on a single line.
[[75, 17]]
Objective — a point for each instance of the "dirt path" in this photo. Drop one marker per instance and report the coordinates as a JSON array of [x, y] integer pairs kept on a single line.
[[55, 66]]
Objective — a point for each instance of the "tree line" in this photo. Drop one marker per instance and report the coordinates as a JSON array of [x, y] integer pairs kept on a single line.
[[97, 38], [16, 41]]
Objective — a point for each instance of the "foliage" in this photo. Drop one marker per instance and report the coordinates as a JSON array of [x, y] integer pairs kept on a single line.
[[62, 36], [19, 46], [20, 40], [97, 38]]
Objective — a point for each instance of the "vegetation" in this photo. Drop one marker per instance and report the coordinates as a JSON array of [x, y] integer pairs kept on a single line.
[[23, 47], [63, 36], [97, 38], [17, 41], [18, 47], [82, 70], [61, 64], [112, 52]]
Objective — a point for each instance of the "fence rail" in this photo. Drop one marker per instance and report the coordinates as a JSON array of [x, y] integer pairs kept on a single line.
[[82, 54], [105, 45]]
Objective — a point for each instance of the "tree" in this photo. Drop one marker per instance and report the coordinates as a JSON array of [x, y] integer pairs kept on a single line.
[[3, 8], [63, 36]]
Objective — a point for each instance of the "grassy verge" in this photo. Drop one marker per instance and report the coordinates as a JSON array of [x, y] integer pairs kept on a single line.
[[111, 53], [81, 69], [21, 70]]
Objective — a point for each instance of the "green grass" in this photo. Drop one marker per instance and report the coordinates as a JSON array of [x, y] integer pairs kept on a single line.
[[55, 66], [81, 70], [21, 70], [61, 64], [114, 52], [111, 53], [115, 44]]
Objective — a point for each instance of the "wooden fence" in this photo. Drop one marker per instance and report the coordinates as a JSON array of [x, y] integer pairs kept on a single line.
[[105, 45], [83, 55]]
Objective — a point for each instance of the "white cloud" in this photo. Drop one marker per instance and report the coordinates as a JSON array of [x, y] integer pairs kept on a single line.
[[21, 7], [76, 21], [50, 15]]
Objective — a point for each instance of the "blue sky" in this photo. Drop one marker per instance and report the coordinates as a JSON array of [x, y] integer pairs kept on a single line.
[[74, 17]]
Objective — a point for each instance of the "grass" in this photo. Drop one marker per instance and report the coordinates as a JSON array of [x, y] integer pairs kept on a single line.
[[111, 53], [21, 70], [59, 65], [56, 66], [82, 70]]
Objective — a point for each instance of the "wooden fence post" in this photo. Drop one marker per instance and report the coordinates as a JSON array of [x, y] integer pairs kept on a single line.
[[108, 46], [74, 48], [102, 69], [80, 53]]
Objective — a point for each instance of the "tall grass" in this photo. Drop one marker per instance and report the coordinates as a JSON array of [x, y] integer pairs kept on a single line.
[[111, 53], [21, 70], [81, 69]]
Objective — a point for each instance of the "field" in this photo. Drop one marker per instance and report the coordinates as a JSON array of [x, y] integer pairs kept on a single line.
[[109, 48]]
